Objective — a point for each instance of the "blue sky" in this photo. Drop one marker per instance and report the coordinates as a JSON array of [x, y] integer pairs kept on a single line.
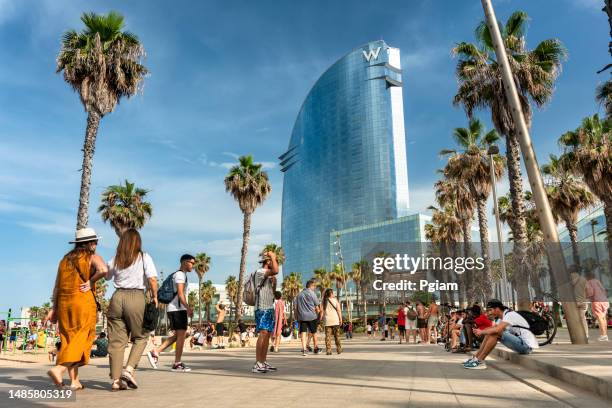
[[227, 78]]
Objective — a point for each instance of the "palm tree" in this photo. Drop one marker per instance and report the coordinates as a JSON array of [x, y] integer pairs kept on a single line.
[[103, 64], [604, 97], [201, 266], [589, 151], [444, 231], [278, 250], [207, 291], [231, 287], [481, 86], [291, 287], [323, 278], [454, 192], [367, 277], [472, 167], [123, 206], [356, 276], [249, 186], [568, 195], [193, 301]]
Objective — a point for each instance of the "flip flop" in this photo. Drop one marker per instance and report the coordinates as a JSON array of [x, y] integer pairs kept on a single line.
[[82, 387], [57, 381]]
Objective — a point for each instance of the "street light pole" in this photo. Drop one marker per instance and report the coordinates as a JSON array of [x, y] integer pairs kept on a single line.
[[547, 223], [344, 277], [493, 150]]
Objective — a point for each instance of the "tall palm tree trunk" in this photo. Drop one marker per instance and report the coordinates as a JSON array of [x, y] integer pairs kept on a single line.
[[486, 290], [572, 231], [517, 223], [93, 123], [466, 279], [357, 290], [200, 301], [608, 214], [246, 231]]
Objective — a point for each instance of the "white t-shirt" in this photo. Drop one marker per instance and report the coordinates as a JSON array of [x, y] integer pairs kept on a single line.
[[515, 319], [135, 275], [179, 277], [369, 327]]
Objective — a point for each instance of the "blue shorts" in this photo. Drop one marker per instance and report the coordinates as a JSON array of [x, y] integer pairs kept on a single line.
[[264, 320], [514, 343]]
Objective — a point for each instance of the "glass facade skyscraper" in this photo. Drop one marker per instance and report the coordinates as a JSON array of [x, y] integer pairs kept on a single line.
[[346, 162]]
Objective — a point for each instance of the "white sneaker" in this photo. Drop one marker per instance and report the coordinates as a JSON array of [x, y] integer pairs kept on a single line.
[[259, 368], [603, 338], [153, 358]]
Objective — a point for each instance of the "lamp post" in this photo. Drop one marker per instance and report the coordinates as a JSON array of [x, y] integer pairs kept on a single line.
[[344, 277], [547, 223], [493, 150]]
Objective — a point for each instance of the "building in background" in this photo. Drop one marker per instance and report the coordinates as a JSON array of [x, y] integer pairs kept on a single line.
[[345, 169]]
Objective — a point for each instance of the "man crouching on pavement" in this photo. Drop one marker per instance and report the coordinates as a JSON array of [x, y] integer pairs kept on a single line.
[[512, 330]]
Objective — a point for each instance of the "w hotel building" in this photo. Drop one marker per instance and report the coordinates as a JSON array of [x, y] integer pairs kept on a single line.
[[345, 170]]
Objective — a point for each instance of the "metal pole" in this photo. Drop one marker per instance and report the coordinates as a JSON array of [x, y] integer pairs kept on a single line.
[[547, 223], [493, 150]]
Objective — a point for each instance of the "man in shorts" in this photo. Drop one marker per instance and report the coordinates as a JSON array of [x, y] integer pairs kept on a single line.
[[512, 331], [307, 309], [220, 327], [432, 321], [178, 314], [264, 310]]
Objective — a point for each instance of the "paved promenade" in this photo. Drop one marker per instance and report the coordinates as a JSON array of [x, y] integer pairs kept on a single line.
[[369, 374]]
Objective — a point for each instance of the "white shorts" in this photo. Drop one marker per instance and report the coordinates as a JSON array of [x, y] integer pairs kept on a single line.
[[410, 324]]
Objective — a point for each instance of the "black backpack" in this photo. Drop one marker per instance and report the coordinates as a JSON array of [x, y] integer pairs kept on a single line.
[[537, 324]]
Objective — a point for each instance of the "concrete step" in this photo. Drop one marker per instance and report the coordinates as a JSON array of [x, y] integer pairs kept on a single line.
[[563, 369]]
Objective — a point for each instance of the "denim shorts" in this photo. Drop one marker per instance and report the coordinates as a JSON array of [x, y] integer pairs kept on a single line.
[[264, 320], [514, 343]]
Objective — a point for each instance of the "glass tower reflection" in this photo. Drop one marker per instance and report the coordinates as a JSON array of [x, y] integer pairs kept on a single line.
[[346, 161]]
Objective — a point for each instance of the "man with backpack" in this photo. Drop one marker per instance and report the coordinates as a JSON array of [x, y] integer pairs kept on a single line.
[[263, 282], [173, 292], [513, 331]]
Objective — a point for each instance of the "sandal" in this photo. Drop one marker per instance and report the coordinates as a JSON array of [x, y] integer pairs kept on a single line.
[[56, 380], [118, 385]]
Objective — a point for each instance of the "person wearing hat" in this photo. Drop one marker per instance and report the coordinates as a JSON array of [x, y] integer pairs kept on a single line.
[[512, 331], [75, 306]]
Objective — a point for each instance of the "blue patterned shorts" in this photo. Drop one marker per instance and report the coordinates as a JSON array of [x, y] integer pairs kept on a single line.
[[264, 320]]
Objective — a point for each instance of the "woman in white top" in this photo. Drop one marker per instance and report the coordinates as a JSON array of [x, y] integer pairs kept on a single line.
[[129, 269], [332, 318]]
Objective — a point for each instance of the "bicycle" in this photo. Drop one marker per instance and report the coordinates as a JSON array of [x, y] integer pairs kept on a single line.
[[545, 312]]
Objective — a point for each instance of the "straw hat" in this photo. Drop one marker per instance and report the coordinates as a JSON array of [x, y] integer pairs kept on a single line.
[[85, 235]]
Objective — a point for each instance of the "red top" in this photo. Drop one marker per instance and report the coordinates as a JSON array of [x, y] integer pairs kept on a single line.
[[401, 317], [482, 322]]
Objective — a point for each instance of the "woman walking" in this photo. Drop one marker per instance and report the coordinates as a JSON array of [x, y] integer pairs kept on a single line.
[[74, 306], [598, 295], [280, 320], [332, 317], [128, 269]]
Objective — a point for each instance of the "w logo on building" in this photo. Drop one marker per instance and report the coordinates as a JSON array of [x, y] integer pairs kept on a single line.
[[371, 54]]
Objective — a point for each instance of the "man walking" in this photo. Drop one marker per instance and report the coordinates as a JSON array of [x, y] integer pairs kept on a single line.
[[220, 327], [306, 311], [432, 321], [178, 314], [264, 310]]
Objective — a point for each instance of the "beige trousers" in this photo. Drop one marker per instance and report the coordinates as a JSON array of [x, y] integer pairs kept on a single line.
[[125, 314]]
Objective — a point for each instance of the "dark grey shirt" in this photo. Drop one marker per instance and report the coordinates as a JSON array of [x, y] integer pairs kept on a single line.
[[305, 304]]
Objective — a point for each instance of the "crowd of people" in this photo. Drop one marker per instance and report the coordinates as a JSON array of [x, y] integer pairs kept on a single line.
[[134, 277]]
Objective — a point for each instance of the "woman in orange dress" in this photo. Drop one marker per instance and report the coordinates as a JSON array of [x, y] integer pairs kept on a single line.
[[74, 306]]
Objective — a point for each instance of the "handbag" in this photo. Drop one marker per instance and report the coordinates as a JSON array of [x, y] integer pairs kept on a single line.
[[150, 317], [151, 312]]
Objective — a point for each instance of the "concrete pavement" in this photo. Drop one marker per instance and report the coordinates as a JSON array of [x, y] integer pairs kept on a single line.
[[369, 373]]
